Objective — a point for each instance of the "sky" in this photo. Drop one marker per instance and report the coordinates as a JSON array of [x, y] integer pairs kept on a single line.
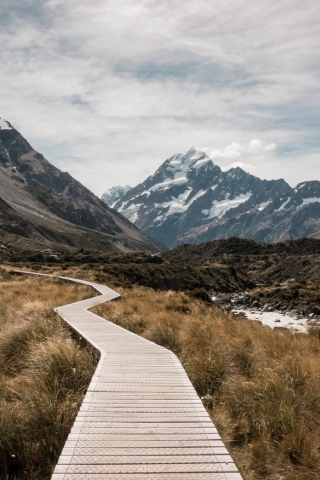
[[109, 89]]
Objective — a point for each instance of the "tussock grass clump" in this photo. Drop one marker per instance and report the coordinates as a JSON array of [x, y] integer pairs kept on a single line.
[[261, 387], [44, 374]]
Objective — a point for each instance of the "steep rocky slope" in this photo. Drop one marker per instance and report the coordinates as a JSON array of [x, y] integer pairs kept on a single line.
[[43, 204]]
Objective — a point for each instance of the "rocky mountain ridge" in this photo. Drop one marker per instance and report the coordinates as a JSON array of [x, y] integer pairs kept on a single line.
[[189, 199], [113, 194], [51, 206]]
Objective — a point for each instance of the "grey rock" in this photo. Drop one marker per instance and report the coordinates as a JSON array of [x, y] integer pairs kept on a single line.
[[238, 301], [267, 308], [223, 299], [282, 329]]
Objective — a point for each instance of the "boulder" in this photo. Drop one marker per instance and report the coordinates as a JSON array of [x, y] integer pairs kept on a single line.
[[223, 299]]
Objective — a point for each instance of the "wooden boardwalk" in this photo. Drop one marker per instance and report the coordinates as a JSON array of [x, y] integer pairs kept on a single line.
[[141, 418]]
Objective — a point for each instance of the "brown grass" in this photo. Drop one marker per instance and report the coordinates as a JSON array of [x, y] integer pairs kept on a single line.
[[261, 387], [43, 374]]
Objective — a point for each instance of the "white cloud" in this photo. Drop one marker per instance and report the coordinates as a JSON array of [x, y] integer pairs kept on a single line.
[[109, 90], [253, 150], [245, 166], [270, 148], [255, 145]]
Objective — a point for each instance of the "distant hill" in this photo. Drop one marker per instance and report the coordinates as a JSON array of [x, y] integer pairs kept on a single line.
[[42, 206], [219, 250], [260, 262], [189, 199]]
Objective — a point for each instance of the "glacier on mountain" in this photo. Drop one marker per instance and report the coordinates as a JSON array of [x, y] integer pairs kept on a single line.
[[307, 201], [218, 209], [190, 199], [113, 194]]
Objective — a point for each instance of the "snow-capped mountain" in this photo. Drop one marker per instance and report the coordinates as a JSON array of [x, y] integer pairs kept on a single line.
[[189, 199], [113, 194], [5, 125]]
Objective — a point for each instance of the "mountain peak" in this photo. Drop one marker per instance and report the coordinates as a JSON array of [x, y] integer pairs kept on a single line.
[[184, 162], [190, 199], [51, 207], [192, 151], [113, 194], [5, 125]]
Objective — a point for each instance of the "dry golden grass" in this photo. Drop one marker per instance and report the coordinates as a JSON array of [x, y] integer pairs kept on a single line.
[[43, 374], [261, 387]]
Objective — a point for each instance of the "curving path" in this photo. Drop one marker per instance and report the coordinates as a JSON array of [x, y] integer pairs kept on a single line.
[[141, 418]]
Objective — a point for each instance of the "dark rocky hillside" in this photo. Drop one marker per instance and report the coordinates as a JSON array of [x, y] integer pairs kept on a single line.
[[50, 206], [221, 250], [261, 262], [285, 274]]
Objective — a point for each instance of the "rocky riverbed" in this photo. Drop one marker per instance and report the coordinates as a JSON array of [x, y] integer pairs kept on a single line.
[[277, 316]]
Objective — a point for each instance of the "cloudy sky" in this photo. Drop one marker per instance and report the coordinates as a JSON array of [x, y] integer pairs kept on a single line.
[[108, 89]]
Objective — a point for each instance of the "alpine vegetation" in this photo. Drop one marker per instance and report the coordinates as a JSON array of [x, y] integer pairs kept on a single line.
[[260, 386], [44, 375]]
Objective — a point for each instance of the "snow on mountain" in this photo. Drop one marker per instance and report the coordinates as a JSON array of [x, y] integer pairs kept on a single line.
[[4, 125], [282, 206], [190, 199], [218, 209], [113, 194], [307, 201]]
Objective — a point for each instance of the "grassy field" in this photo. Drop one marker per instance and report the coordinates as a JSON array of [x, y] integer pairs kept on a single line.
[[44, 373], [261, 387]]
